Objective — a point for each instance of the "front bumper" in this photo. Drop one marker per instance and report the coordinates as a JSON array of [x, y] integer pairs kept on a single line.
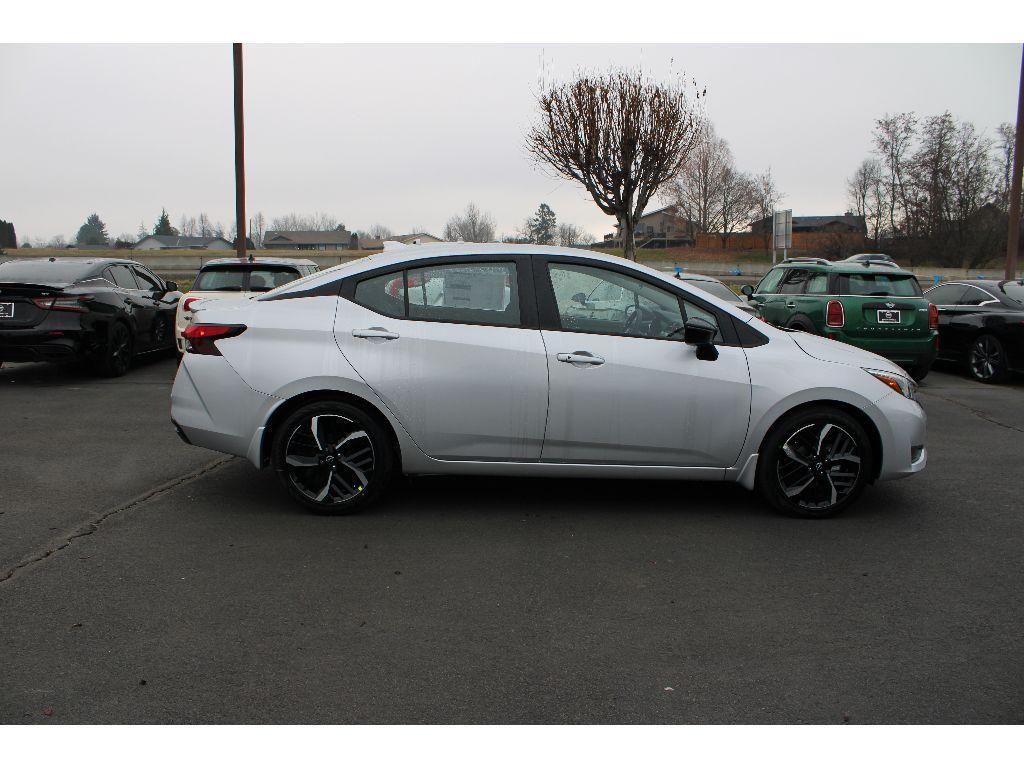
[[903, 437]]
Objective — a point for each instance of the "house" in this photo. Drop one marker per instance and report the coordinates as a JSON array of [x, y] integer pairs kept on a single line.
[[180, 242], [663, 228], [309, 240], [845, 223], [415, 238]]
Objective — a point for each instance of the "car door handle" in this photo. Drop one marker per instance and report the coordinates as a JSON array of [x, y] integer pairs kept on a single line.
[[791, 305], [374, 333], [579, 358]]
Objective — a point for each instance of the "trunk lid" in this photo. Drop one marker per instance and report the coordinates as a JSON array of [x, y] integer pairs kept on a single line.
[[17, 308]]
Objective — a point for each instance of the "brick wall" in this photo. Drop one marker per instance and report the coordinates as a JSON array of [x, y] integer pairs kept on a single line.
[[802, 241]]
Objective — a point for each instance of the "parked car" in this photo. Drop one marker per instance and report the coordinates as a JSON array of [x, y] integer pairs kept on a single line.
[[981, 325], [872, 258], [67, 309], [873, 306], [501, 359], [716, 288], [238, 279]]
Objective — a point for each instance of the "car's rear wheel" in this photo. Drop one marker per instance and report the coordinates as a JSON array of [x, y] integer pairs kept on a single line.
[[116, 356], [802, 325], [332, 457], [814, 463], [918, 372], [986, 360]]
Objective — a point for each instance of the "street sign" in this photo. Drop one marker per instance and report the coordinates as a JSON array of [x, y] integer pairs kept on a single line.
[[782, 229]]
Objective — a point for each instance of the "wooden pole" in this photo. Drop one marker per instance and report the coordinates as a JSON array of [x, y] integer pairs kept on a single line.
[[240, 228], [1013, 238]]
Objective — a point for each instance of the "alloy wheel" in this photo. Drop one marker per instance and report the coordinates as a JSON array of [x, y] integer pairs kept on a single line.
[[818, 466], [986, 359], [329, 459], [120, 349]]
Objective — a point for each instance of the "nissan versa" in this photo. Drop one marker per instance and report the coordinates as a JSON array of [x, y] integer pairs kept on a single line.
[[495, 359]]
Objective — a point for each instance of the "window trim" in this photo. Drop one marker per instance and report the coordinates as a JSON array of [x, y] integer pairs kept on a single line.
[[138, 268], [527, 300], [548, 305]]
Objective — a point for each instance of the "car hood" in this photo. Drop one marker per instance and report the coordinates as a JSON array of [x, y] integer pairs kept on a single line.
[[845, 354]]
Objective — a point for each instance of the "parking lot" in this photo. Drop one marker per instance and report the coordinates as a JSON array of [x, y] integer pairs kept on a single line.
[[145, 580]]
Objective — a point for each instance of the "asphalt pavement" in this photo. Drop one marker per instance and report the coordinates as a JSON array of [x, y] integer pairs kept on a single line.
[[146, 581]]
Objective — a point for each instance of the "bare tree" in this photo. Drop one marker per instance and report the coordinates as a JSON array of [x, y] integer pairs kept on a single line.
[[767, 197], [737, 202], [57, 241], [866, 196], [471, 226], [316, 222], [204, 227], [618, 134], [697, 186], [572, 236], [379, 232], [893, 137]]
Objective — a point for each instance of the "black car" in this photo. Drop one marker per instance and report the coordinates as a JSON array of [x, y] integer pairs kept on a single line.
[[100, 311], [981, 324]]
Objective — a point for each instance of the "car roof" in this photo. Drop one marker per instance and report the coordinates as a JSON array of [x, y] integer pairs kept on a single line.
[[105, 261], [266, 260], [847, 267]]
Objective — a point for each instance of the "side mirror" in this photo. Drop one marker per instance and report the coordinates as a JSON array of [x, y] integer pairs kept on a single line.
[[747, 290], [580, 298], [701, 334], [170, 286]]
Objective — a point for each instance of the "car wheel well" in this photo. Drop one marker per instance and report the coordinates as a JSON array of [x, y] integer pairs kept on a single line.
[[850, 410], [802, 323], [298, 401]]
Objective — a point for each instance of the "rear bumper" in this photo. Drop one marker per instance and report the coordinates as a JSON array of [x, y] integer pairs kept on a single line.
[[33, 346], [909, 353]]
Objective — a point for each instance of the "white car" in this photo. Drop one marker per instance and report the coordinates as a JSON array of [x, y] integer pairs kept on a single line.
[[237, 279], [461, 358]]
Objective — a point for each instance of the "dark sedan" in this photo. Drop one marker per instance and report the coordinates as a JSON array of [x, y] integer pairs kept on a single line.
[[981, 325], [99, 311]]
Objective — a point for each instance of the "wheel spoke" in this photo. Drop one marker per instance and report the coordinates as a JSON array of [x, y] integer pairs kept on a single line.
[[323, 493], [294, 460], [793, 455]]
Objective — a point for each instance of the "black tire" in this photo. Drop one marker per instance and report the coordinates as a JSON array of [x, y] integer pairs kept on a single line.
[[822, 451], [802, 325], [986, 360], [346, 480], [116, 356], [919, 372], [161, 333]]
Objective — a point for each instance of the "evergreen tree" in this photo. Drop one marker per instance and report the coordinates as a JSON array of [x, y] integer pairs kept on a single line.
[[8, 239], [543, 229], [93, 232], [163, 224]]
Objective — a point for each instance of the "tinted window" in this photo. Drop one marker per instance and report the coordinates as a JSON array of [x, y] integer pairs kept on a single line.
[[146, 280], [123, 276], [869, 284], [220, 279], [1014, 290], [44, 270], [384, 294], [974, 296], [464, 293], [949, 293], [268, 278], [770, 281], [602, 301], [795, 281]]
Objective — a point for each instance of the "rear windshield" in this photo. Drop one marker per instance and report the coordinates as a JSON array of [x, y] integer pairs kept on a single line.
[[869, 284], [44, 271], [719, 290], [243, 278]]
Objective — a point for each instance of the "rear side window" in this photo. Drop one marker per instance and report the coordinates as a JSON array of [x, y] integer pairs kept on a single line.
[[482, 294], [122, 276], [974, 297], [215, 279], [868, 284], [384, 294], [945, 294]]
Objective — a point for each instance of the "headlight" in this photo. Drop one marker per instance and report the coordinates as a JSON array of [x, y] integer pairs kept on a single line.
[[902, 384]]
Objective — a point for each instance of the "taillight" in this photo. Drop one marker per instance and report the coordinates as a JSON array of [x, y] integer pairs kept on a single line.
[[200, 338], [933, 317], [188, 304], [63, 303], [835, 316]]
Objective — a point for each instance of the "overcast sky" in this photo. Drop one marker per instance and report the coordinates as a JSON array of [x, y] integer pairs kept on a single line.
[[406, 135]]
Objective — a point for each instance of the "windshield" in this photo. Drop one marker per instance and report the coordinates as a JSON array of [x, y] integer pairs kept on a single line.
[[869, 284], [232, 277], [44, 271], [718, 290]]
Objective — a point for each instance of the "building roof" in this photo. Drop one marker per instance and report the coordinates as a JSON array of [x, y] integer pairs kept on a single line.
[[181, 241], [308, 237], [669, 208]]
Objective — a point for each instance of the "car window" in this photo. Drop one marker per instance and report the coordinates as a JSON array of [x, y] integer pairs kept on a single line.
[[869, 284], [598, 300], [795, 281], [220, 279], [973, 297], [718, 290], [123, 276], [818, 284], [1014, 289], [770, 281], [268, 278], [946, 294], [146, 281], [482, 294], [384, 294]]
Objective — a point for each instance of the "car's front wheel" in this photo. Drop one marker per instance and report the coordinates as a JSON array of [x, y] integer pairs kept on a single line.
[[814, 463], [332, 457]]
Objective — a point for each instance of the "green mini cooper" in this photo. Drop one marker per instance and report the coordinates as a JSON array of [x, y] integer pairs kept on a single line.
[[873, 305]]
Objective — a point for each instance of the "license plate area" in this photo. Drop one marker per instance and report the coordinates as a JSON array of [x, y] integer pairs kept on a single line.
[[6, 310], [888, 316]]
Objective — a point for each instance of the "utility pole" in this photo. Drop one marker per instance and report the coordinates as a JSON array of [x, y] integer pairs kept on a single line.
[[240, 228], [1013, 238]]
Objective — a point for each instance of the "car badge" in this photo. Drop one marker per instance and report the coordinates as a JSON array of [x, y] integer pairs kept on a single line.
[[889, 304]]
